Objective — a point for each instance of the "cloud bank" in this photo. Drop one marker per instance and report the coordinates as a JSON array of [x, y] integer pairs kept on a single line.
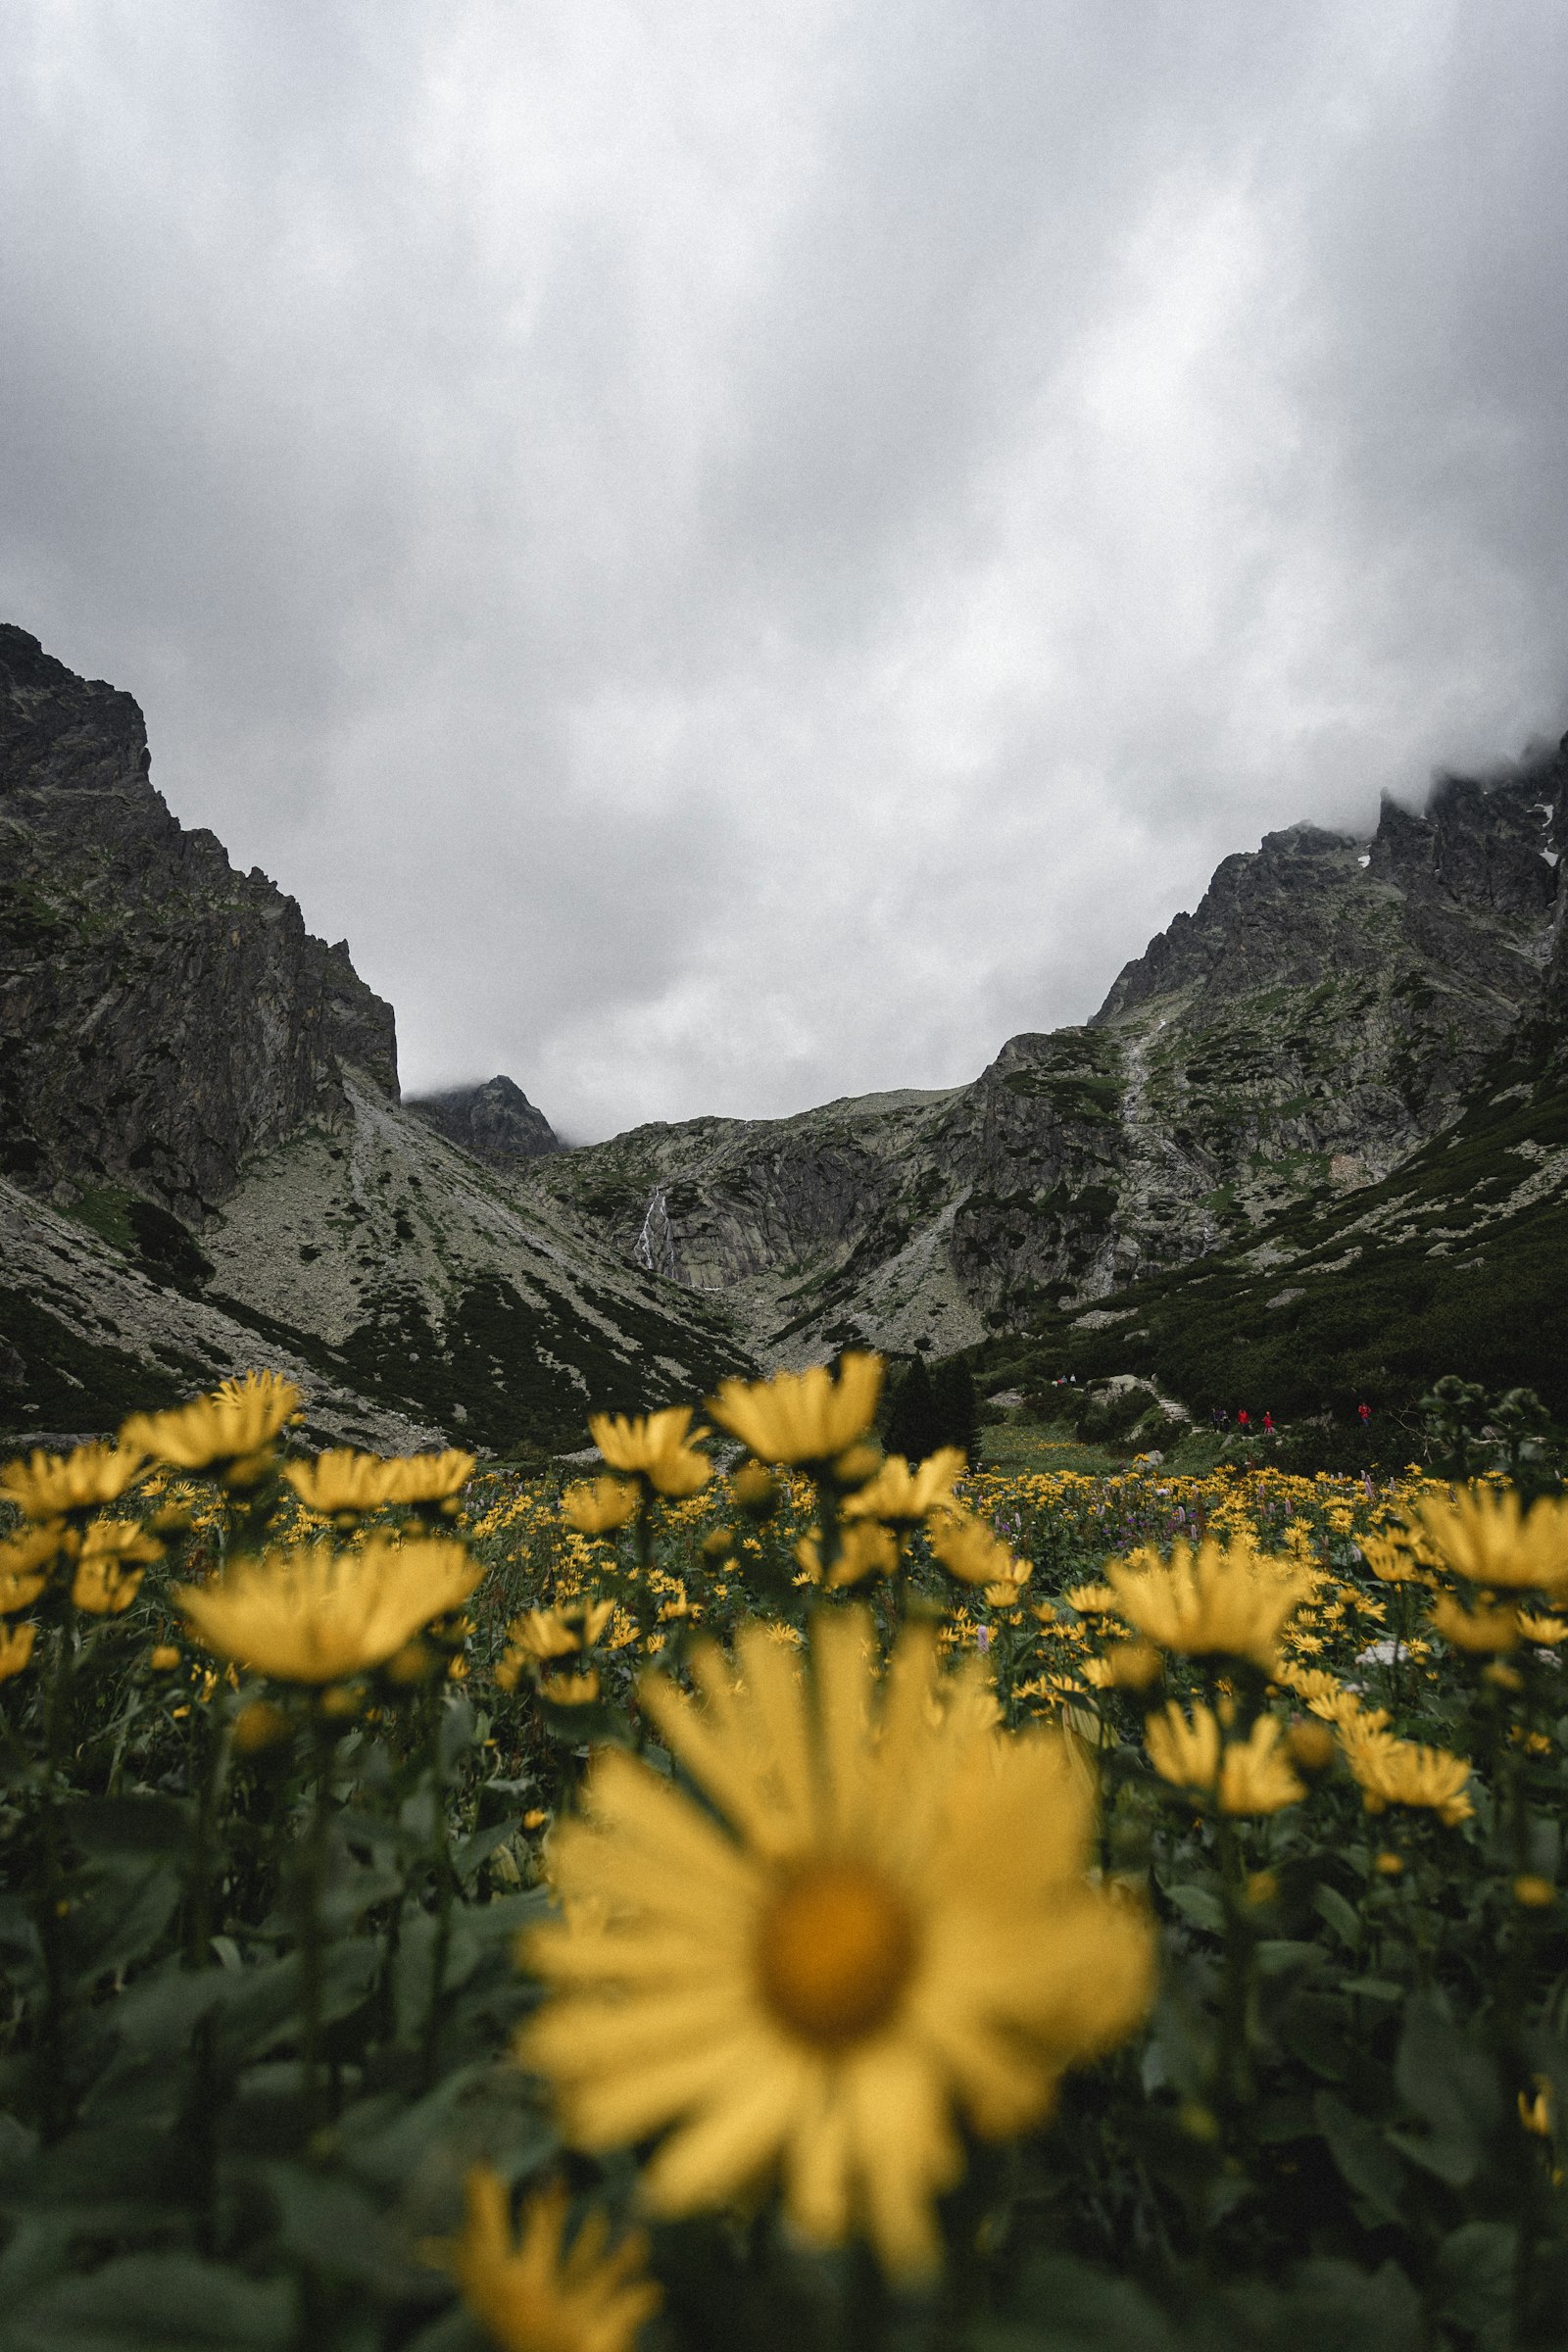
[[745, 555]]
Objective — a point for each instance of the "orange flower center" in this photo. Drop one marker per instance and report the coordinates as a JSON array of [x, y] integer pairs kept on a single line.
[[834, 1953]]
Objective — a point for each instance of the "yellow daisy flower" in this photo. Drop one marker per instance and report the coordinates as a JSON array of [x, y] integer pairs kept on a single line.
[[1212, 1602], [311, 1614], [340, 1480], [1242, 1776], [48, 1485], [867, 1550], [902, 1496], [530, 2293], [112, 1559], [1400, 1772], [16, 1648], [24, 1565], [426, 1478], [653, 1447], [1482, 1632], [893, 1919], [236, 1424], [973, 1552], [597, 1506], [807, 1418], [1489, 1538]]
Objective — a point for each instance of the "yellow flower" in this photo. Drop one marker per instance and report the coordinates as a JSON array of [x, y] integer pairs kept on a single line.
[[1092, 1600], [1125, 1666], [1400, 1772], [1534, 1893], [597, 1506], [867, 1550], [1392, 1560], [1543, 1632], [165, 1657], [340, 1481], [808, 1418], [417, 1478], [1488, 1539], [236, 1423], [1535, 2112], [24, 1565], [559, 1633], [259, 1726], [893, 1919], [756, 1491], [313, 1614], [902, 1496], [105, 1586], [654, 1448], [48, 1485], [1211, 1602], [16, 1648], [1481, 1632], [971, 1552], [1244, 1776], [530, 2293], [571, 1689]]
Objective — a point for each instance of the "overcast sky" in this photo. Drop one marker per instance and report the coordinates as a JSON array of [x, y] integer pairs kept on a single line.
[[745, 554]]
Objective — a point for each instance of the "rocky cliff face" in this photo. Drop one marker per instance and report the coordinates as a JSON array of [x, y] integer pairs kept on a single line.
[[1328, 1008], [495, 1121], [204, 1163], [162, 1016]]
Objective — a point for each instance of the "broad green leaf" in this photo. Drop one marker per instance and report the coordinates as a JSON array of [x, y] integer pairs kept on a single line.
[[1362, 2154], [156, 2303], [1203, 1909], [1452, 2086], [1474, 2278], [1331, 1906]]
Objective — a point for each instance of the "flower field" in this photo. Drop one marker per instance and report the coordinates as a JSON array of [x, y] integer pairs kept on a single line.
[[761, 1892]]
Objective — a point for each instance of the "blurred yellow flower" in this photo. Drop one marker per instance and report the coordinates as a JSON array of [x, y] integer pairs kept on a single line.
[[259, 1726], [24, 1565], [1212, 1602], [105, 1586], [808, 1418], [311, 1614], [559, 1633], [165, 1657], [340, 1480], [1242, 1776], [1393, 1560], [1483, 1632], [971, 1552], [894, 1921], [597, 1506], [16, 1648], [1544, 1633], [531, 2293], [425, 1478], [571, 1689], [1489, 1538], [48, 1485], [1400, 1772], [653, 1447], [756, 1491], [1125, 1666], [904, 1496], [236, 1423], [867, 1550]]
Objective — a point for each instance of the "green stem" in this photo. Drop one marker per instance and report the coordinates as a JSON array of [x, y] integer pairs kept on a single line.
[[445, 1890], [199, 1895], [313, 1889], [53, 2098]]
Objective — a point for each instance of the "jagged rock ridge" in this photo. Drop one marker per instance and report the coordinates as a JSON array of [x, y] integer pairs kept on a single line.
[[1328, 1008], [162, 1016], [495, 1121]]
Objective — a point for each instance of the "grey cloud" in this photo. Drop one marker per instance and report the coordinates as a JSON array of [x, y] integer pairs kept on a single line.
[[743, 556]]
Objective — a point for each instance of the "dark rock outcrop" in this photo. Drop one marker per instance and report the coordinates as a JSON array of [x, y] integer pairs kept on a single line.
[[162, 1016], [495, 1121]]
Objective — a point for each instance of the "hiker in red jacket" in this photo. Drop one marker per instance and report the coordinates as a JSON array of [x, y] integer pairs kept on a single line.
[[1268, 1424], [1244, 1421]]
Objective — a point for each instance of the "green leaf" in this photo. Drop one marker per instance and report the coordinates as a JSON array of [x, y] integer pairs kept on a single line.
[[119, 1910], [328, 2225], [1201, 1908], [1363, 2156], [113, 1827], [156, 2303], [1453, 2087], [1070, 2307], [1331, 1906], [1317, 2029], [1473, 2275]]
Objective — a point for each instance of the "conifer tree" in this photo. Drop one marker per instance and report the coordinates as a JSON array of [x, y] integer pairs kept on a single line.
[[958, 1406], [913, 1428]]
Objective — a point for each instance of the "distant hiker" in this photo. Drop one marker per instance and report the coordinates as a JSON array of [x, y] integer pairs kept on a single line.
[[1221, 1419], [1244, 1421], [1363, 1413], [1268, 1424]]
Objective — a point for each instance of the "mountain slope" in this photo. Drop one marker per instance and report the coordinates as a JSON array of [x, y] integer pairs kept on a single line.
[[204, 1163], [1328, 1010]]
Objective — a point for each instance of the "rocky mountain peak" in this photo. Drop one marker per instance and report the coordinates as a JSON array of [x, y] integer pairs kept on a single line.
[[162, 1016], [495, 1121]]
